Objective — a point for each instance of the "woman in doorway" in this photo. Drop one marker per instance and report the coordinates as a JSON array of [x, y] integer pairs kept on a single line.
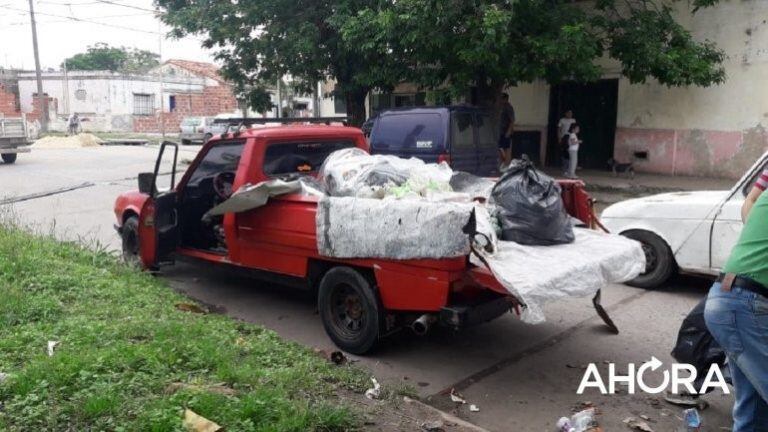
[[573, 149]]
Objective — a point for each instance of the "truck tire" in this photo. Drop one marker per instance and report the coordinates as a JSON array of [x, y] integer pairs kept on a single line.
[[350, 310], [659, 260], [130, 240], [9, 158]]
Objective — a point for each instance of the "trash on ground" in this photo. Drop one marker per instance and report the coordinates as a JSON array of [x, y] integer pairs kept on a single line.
[[692, 419], [531, 207], [432, 426], [194, 422], [375, 391], [68, 142], [584, 420], [51, 346], [474, 408], [686, 400], [457, 397], [190, 307], [564, 425], [638, 425]]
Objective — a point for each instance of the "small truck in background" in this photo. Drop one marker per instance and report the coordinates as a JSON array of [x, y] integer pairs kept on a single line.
[[15, 138]]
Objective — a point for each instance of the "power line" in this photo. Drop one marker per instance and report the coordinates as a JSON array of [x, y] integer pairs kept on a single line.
[[125, 5], [71, 18]]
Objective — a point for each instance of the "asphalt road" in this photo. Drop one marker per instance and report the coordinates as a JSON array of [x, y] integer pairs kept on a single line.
[[521, 377]]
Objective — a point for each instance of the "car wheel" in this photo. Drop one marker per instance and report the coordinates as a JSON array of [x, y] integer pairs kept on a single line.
[[186, 142], [659, 260], [9, 158], [349, 309], [207, 138], [130, 241]]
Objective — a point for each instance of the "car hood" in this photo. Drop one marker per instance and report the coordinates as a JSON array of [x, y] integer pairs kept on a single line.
[[676, 205]]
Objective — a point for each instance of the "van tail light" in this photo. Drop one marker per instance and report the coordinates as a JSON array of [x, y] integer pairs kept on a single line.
[[444, 157]]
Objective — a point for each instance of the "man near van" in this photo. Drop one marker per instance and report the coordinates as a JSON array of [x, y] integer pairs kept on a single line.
[[736, 313], [507, 127]]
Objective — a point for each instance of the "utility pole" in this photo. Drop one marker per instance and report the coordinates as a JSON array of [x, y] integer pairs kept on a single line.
[[162, 76], [279, 98], [42, 100]]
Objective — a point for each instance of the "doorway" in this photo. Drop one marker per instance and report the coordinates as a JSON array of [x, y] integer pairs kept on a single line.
[[594, 107]]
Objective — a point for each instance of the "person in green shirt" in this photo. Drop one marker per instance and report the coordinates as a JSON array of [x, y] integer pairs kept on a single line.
[[736, 313]]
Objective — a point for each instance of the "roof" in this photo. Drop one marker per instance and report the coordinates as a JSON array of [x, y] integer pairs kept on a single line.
[[431, 109], [208, 70], [302, 132]]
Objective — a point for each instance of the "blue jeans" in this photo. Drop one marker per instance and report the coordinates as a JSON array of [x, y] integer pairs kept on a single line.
[[738, 320]]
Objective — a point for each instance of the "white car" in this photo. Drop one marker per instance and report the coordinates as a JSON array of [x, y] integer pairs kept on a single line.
[[690, 232]]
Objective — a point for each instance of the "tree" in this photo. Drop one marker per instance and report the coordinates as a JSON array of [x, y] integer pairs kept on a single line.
[[491, 44], [258, 42], [104, 57]]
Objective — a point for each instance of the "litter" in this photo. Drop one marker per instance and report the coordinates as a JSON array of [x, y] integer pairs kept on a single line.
[[457, 398], [582, 421], [591, 262], [639, 425], [531, 208], [375, 391], [196, 423], [432, 426], [474, 408], [190, 307], [691, 420], [51, 346]]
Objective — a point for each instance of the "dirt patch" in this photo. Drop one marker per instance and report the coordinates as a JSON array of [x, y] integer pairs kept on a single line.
[[76, 141]]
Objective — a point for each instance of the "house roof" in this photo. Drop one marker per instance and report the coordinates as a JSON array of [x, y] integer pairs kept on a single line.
[[203, 69]]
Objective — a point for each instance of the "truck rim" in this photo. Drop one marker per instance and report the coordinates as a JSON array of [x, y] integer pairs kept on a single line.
[[347, 311]]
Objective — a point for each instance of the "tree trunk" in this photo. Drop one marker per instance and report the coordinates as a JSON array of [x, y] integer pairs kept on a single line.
[[356, 106]]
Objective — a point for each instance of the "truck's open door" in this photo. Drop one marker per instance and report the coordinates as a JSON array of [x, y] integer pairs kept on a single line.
[[158, 221]]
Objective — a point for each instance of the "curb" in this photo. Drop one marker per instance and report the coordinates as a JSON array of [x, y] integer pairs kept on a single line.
[[445, 416]]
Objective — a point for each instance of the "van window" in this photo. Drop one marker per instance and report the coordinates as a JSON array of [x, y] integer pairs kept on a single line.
[[461, 127], [486, 132], [300, 157], [191, 121], [409, 131]]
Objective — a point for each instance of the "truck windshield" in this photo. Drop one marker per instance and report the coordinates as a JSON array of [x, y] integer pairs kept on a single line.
[[409, 131], [299, 157], [223, 157]]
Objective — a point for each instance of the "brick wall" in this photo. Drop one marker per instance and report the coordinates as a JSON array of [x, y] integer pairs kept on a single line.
[[9, 103], [53, 107], [212, 101]]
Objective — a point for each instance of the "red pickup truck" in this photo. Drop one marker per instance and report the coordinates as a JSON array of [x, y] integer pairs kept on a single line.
[[359, 300]]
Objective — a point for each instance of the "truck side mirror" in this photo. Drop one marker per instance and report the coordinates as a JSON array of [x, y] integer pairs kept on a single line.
[[146, 183]]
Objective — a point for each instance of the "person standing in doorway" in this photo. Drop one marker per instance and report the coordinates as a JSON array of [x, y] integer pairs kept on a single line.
[[507, 127], [736, 313], [564, 125], [573, 149]]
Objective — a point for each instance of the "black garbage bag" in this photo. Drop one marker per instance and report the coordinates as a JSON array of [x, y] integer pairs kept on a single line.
[[531, 209], [696, 346]]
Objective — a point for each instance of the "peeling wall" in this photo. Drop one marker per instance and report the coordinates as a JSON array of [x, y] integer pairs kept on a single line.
[[715, 131]]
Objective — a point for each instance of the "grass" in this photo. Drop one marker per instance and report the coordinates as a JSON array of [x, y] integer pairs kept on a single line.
[[123, 343]]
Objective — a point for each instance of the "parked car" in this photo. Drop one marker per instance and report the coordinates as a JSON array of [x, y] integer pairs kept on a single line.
[[360, 300], [15, 137], [690, 232], [465, 137], [198, 129]]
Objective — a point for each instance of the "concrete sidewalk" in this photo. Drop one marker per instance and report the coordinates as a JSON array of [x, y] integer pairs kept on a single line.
[[648, 183]]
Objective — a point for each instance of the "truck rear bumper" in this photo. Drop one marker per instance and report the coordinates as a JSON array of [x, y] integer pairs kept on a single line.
[[460, 316], [22, 149]]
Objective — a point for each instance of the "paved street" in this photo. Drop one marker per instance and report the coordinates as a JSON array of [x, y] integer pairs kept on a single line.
[[522, 377]]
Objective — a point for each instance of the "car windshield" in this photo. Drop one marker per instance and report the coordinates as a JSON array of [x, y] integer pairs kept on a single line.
[[191, 121], [409, 131], [300, 157], [222, 157]]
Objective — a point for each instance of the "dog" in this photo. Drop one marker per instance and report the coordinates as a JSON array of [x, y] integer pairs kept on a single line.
[[619, 168]]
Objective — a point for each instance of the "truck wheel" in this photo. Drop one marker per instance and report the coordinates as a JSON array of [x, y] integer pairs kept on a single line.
[[350, 310], [9, 158], [659, 261], [130, 240]]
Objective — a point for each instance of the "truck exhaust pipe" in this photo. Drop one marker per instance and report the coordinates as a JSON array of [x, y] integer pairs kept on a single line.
[[422, 324]]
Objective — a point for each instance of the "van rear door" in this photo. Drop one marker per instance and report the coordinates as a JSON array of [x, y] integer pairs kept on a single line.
[[462, 146], [487, 146], [408, 134]]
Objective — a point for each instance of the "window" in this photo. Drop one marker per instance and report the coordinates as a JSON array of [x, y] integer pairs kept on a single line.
[[143, 104], [486, 131], [172, 103], [409, 131], [339, 104], [299, 157], [461, 127], [223, 157]]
